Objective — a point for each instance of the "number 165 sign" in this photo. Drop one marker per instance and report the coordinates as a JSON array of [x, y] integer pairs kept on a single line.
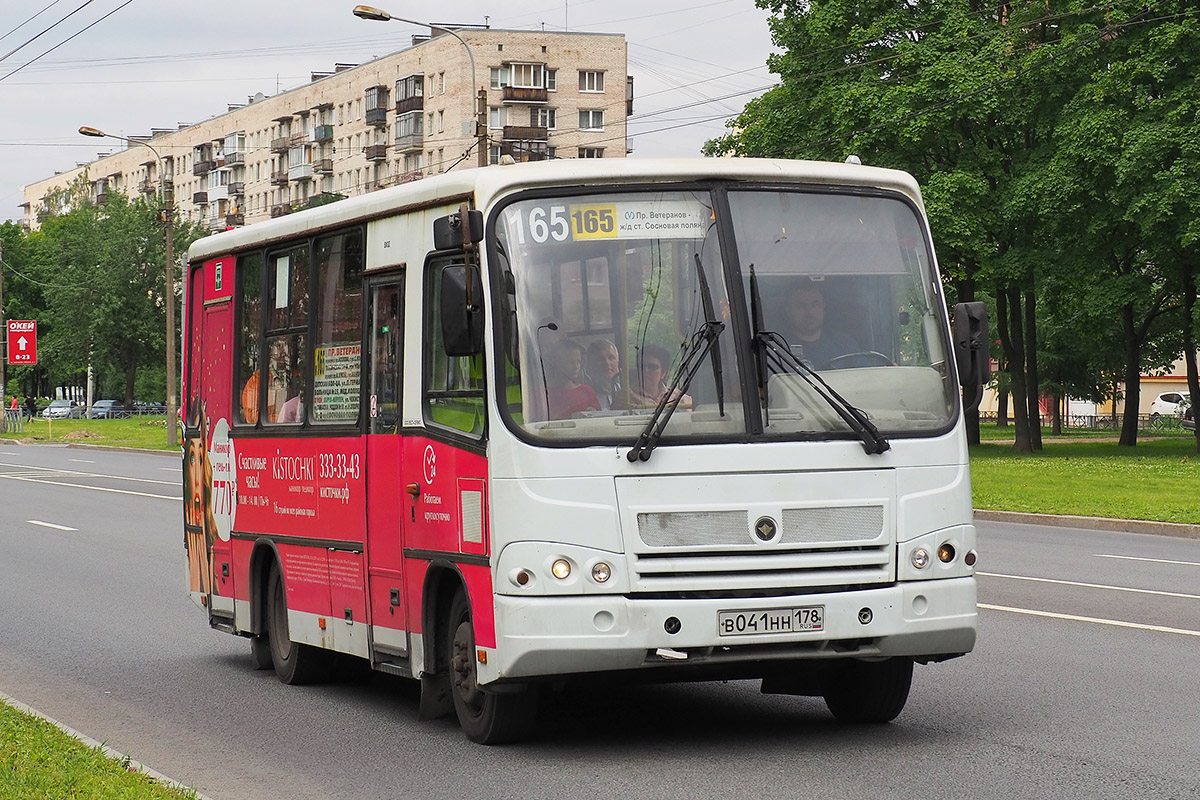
[[22, 341]]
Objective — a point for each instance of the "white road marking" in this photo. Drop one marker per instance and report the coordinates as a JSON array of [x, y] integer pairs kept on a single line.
[[92, 488], [1154, 560], [1090, 585], [88, 474], [1096, 620], [50, 525], [81, 461]]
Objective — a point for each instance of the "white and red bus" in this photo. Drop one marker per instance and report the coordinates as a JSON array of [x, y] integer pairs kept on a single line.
[[673, 419]]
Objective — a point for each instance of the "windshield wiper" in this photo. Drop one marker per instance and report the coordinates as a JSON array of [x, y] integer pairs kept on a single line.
[[701, 344], [694, 351], [770, 347]]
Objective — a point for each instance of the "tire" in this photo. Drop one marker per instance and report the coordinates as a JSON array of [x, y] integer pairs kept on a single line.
[[260, 652], [485, 717], [295, 663], [868, 692]]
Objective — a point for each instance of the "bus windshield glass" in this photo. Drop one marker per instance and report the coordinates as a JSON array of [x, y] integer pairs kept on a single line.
[[610, 302], [603, 299], [844, 305]]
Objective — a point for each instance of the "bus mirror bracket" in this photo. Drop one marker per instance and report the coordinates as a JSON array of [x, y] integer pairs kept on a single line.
[[461, 305], [972, 353], [449, 232]]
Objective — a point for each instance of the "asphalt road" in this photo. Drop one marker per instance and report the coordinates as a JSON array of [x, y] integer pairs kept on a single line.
[[1083, 684]]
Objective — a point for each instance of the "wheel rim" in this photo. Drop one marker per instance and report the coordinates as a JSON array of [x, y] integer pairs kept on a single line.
[[462, 667]]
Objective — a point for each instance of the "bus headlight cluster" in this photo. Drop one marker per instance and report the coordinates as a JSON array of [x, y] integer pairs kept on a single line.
[[561, 569], [920, 558], [946, 553], [601, 572]]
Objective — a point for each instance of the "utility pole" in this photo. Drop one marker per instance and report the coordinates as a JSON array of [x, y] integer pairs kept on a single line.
[[168, 183], [481, 126], [3, 327]]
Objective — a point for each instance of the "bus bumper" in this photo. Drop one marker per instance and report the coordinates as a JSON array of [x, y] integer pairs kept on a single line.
[[556, 635]]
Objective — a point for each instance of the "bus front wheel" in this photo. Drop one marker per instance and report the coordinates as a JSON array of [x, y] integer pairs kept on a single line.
[[294, 663], [868, 691], [486, 717]]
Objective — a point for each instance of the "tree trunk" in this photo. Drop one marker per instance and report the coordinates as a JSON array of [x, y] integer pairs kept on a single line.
[[1033, 385], [1002, 407], [1133, 378], [1189, 341], [1008, 310], [1056, 416]]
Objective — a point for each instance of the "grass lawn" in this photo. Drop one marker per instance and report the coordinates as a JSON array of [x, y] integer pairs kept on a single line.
[[39, 760], [149, 432], [1157, 480]]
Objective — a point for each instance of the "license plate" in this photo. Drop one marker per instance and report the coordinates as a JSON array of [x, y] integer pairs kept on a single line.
[[771, 620]]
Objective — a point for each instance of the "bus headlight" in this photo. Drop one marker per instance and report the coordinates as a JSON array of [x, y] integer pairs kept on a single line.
[[561, 569], [601, 572], [920, 558]]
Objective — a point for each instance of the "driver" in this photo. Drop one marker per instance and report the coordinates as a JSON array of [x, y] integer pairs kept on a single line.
[[806, 331]]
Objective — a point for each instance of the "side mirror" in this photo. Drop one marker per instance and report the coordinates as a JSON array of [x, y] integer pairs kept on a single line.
[[461, 306], [452, 233], [972, 353]]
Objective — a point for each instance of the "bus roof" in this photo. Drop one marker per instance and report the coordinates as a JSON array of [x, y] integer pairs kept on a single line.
[[486, 184]]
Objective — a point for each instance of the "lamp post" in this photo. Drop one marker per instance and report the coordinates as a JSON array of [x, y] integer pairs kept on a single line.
[[168, 215], [478, 94]]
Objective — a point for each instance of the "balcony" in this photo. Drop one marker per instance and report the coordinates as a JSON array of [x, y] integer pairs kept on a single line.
[[300, 172], [323, 166], [323, 133], [279, 178], [216, 193], [199, 198], [377, 116], [403, 106], [281, 144], [235, 220], [525, 133], [375, 152], [234, 159], [281, 210], [409, 141], [237, 188], [146, 187], [203, 167], [299, 138], [409, 177], [525, 94]]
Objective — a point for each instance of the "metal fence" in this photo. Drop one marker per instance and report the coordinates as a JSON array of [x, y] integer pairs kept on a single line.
[[1146, 422], [12, 422]]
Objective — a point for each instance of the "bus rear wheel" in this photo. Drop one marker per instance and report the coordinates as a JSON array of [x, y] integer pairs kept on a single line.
[[486, 717], [868, 691], [294, 663]]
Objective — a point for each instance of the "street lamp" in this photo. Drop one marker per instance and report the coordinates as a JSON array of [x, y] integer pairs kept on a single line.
[[379, 15], [168, 211]]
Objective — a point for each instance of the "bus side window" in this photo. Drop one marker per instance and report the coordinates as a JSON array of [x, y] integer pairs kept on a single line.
[[249, 339], [453, 384], [337, 357]]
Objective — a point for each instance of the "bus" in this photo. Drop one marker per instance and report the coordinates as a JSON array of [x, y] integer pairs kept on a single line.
[[505, 428]]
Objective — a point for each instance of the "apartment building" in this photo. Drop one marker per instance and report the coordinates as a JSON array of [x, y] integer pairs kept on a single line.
[[416, 112]]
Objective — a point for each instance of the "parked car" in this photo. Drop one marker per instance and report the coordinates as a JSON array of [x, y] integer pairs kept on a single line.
[[63, 409], [144, 407], [109, 409], [1169, 404], [1189, 418]]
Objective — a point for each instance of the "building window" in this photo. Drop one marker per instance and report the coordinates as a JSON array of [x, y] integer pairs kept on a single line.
[[552, 80], [498, 117], [591, 119], [441, 121], [442, 82], [542, 118], [591, 80], [591, 152], [499, 77], [528, 76], [494, 154]]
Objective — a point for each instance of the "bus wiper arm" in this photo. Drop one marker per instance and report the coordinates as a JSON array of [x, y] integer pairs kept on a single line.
[[710, 317], [695, 349], [776, 349]]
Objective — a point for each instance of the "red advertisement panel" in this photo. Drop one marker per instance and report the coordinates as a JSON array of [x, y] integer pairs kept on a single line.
[[22, 342]]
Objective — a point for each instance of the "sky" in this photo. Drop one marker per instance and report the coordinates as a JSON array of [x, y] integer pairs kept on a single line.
[[126, 66]]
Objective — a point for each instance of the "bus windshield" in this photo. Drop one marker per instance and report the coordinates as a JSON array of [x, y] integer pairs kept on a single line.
[[610, 302]]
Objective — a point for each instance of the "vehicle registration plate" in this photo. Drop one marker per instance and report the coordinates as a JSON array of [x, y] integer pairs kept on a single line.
[[771, 620]]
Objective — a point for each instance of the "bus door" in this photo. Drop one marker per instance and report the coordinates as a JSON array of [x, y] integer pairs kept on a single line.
[[385, 348]]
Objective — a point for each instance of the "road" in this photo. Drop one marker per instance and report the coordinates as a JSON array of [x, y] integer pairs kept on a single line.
[[1083, 683]]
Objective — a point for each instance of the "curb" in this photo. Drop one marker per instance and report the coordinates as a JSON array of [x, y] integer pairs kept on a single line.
[[1179, 530], [115, 755]]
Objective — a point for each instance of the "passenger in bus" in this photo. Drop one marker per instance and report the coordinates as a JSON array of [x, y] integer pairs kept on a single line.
[[604, 372], [283, 393], [650, 383], [566, 392], [807, 333]]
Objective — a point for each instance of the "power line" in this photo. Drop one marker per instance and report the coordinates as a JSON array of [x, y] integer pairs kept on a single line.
[[31, 19], [69, 38], [47, 30]]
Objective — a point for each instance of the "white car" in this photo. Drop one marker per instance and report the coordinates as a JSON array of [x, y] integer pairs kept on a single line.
[[1169, 404]]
